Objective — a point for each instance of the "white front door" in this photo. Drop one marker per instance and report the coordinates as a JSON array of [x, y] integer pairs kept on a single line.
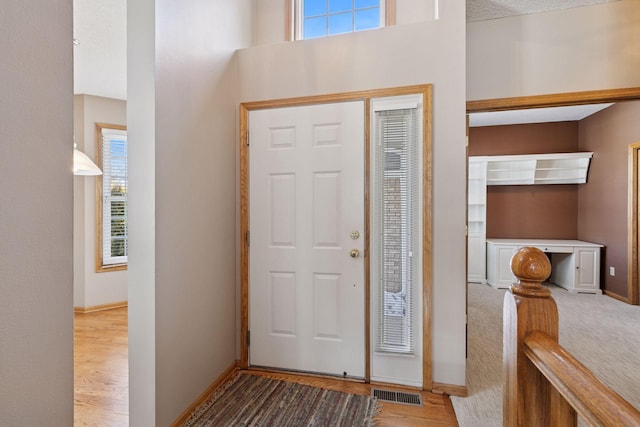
[[306, 214]]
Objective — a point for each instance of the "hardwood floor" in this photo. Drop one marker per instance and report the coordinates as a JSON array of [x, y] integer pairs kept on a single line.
[[101, 380], [101, 372]]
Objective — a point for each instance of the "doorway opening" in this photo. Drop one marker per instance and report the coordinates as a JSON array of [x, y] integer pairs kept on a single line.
[[630, 255]]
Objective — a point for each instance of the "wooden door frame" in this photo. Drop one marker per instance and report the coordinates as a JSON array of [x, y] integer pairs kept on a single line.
[[427, 258], [632, 205], [578, 98]]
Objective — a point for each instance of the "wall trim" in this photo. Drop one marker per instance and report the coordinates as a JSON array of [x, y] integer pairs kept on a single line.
[[554, 100], [101, 307], [450, 389], [616, 296], [204, 396], [633, 177], [289, 20], [390, 13]]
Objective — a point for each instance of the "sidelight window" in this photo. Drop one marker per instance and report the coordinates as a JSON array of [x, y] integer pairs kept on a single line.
[[396, 218]]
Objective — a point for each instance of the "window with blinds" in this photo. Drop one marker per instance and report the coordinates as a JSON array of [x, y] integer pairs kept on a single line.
[[113, 203], [396, 217]]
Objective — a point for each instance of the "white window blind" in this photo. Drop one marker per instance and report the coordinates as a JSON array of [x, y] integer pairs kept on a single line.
[[114, 197], [396, 211]]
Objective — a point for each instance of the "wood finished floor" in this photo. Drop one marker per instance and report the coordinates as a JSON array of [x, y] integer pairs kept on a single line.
[[101, 372], [101, 380]]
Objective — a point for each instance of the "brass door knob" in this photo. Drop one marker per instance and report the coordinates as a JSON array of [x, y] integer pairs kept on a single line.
[[354, 253]]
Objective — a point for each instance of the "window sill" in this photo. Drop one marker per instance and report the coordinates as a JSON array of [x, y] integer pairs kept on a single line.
[[107, 268]]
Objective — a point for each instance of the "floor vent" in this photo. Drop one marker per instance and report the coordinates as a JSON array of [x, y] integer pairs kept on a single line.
[[397, 397]]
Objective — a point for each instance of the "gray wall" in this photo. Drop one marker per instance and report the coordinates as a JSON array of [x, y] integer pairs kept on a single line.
[[603, 199], [580, 49], [36, 213], [182, 108]]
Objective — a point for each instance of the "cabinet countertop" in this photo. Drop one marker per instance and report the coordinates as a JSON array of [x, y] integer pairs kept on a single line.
[[542, 242]]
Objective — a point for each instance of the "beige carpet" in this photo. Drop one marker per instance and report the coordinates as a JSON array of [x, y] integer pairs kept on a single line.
[[604, 334]]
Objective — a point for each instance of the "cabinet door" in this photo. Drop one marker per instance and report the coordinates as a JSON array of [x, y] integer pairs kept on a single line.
[[587, 268], [505, 275], [477, 265], [499, 265]]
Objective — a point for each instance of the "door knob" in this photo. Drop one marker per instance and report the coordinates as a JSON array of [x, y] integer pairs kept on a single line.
[[354, 253]]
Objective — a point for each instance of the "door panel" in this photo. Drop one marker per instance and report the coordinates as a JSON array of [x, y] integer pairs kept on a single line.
[[306, 293], [588, 271]]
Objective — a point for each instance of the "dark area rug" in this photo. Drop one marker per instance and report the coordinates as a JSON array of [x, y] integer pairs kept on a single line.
[[250, 400]]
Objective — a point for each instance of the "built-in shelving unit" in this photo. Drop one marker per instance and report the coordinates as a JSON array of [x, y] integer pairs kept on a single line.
[[526, 169], [529, 169], [477, 221]]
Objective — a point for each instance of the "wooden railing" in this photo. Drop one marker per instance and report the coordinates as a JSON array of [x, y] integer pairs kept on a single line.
[[544, 386]]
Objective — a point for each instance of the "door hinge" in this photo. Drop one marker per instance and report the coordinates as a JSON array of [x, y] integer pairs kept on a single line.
[[246, 140], [247, 237], [248, 338]]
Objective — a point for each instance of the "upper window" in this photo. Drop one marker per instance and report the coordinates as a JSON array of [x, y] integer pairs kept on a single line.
[[112, 248], [319, 18]]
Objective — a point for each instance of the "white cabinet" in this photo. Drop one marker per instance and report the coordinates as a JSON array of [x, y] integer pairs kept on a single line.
[[476, 261], [577, 272], [477, 221], [499, 264], [575, 265]]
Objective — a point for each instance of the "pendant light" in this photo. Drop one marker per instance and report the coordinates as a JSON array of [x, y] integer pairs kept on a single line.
[[83, 165]]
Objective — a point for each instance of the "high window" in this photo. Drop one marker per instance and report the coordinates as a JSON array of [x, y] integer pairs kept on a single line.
[[319, 18], [112, 241]]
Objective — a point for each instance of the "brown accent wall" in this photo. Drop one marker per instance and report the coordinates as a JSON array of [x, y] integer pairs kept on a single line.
[[602, 204], [535, 138], [532, 211], [529, 211]]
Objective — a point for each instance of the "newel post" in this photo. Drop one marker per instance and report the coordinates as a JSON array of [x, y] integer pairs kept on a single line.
[[529, 400]]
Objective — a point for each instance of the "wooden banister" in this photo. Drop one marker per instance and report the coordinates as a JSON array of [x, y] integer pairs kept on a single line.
[[594, 401], [543, 384]]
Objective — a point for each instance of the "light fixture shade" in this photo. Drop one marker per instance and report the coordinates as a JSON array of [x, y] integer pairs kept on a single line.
[[83, 165]]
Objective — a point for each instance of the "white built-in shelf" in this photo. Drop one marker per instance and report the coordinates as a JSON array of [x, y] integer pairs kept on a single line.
[[528, 169], [476, 221]]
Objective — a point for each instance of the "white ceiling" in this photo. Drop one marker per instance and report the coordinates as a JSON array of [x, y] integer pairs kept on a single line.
[[100, 60], [482, 10], [535, 115]]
